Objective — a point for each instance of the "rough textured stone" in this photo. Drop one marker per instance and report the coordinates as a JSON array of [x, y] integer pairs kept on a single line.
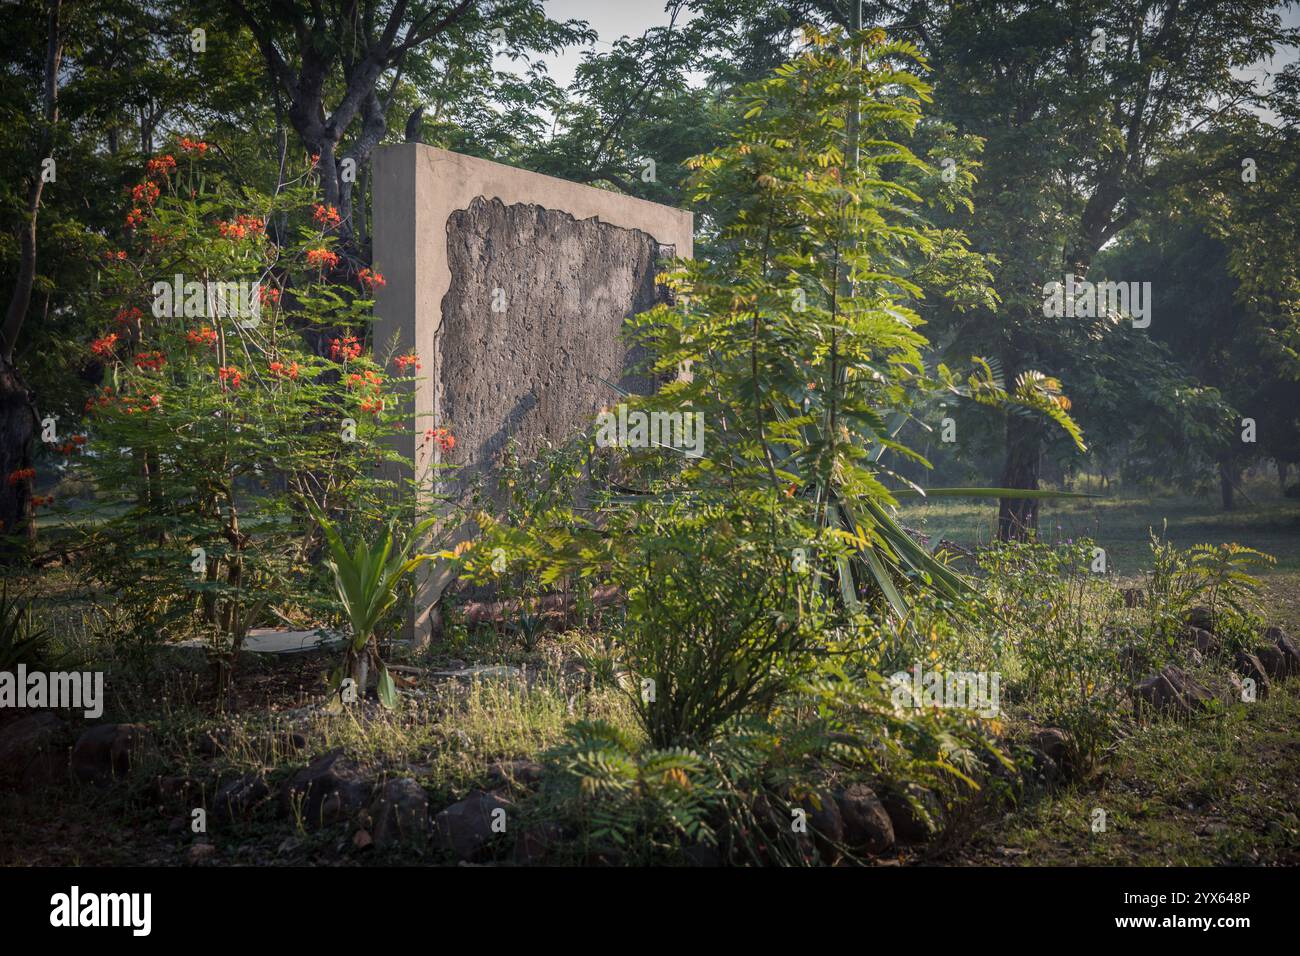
[[1173, 689], [1276, 663], [1201, 639], [867, 826], [108, 751], [465, 828], [1201, 616], [329, 789], [23, 740], [825, 824], [238, 798], [909, 824], [1288, 647], [401, 814], [572, 262], [1054, 742], [526, 774], [533, 373], [1248, 665]]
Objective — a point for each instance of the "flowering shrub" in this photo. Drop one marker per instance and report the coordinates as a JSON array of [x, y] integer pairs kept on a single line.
[[218, 429]]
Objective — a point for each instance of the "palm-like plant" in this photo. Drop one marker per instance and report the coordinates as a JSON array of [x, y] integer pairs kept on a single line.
[[367, 578], [801, 330]]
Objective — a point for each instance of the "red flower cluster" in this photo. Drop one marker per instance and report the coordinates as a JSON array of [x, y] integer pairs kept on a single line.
[[444, 438], [72, 444], [411, 360], [119, 256], [39, 501], [372, 280], [160, 166], [322, 258], [22, 474], [284, 371], [104, 398], [146, 192], [269, 294], [127, 315], [104, 347], [345, 348], [150, 361], [150, 404], [193, 145], [230, 376], [203, 336], [241, 227], [327, 217]]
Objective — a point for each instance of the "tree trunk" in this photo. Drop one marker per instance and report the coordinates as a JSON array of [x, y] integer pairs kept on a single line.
[[1018, 517], [18, 426], [1227, 483]]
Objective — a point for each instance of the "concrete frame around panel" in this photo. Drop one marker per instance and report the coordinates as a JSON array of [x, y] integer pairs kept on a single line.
[[416, 189]]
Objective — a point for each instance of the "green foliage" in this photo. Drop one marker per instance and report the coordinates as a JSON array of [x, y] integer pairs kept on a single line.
[[367, 579], [214, 433], [22, 641]]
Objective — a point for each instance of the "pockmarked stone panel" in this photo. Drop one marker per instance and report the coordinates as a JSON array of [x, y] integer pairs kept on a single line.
[[513, 288], [531, 332]]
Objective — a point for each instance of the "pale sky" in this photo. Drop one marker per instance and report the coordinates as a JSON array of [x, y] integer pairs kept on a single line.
[[612, 19]]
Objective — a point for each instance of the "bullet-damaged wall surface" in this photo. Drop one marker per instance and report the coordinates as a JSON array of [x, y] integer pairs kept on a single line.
[[513, 288]]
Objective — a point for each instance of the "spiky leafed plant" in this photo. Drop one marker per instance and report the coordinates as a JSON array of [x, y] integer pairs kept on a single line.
[[367, 579]]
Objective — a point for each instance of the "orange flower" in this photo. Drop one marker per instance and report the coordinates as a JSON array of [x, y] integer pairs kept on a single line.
[[150, 361], [322, 258], [410, 360], [104, 347], [345, 348], [203, 336], [193, 145], [284, 371], [327, 217], [22, 474], [446, 441], [230, 376], [371, 279], [160, 166]]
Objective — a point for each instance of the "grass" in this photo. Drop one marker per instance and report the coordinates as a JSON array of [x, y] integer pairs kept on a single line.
[[1212, 792]]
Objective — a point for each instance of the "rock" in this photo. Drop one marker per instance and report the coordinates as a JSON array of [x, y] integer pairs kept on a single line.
[[237, 799], [1201, 639], [1173, 689], [1249, 666], [200, 853], [867, 826], [171, 788], [362, 840], [910, 825], [1134, 597], [1200, 616], [466, 828], [326, 791], [534, 845], [401, 814], [1231, 689], [515, 773], [1274, 661], [108, 751], [1054, 742], [825, 824], [293, 742], [1193, 657], [26, 738], [1289, 648]]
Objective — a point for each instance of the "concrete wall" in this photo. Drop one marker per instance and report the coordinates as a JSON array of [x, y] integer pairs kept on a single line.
[[453, 234]]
